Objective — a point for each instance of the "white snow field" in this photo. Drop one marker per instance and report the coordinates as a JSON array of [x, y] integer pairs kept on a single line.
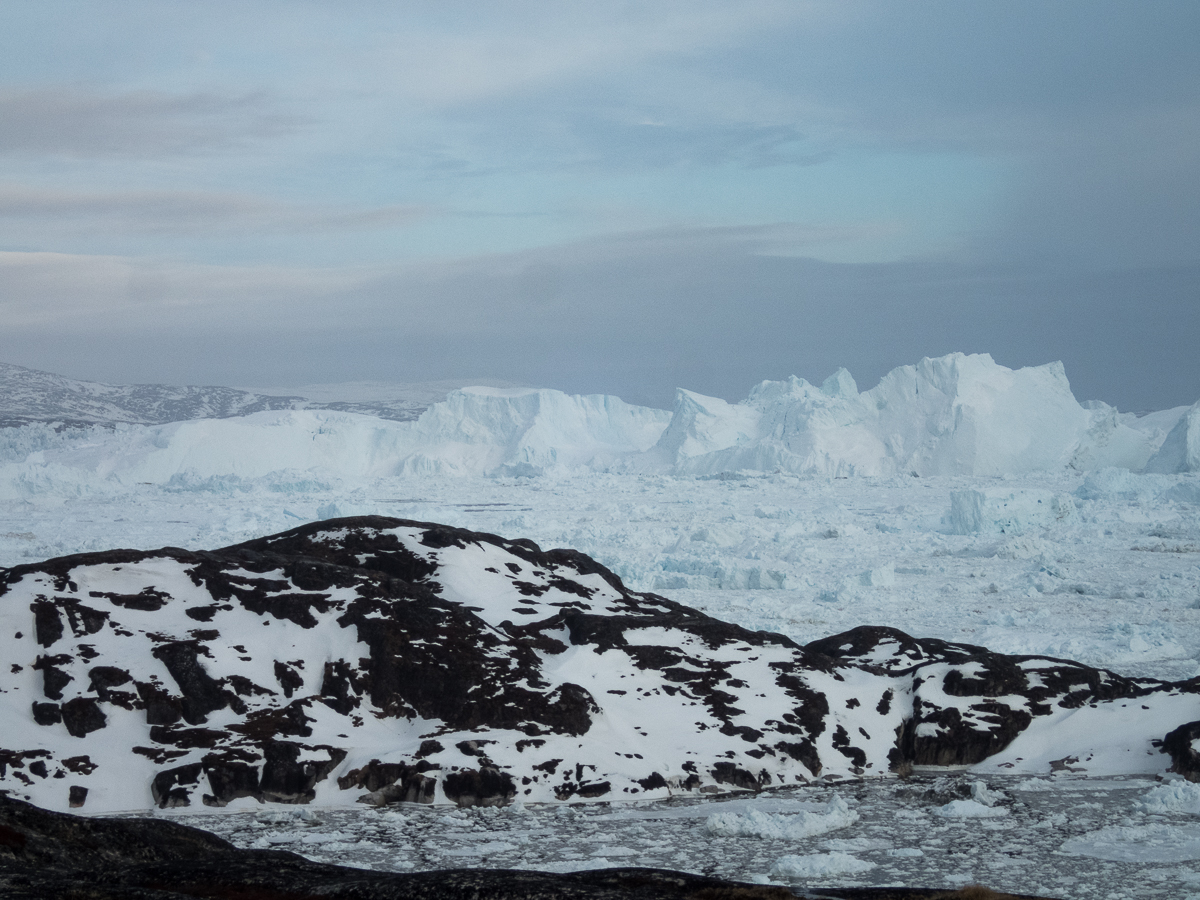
[[956, 500]]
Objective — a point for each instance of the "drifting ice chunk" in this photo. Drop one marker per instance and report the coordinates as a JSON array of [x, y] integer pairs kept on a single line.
[[1112, 483], [879, 576], [1007, 511], [1173, 797], [968, 809], [1156, 842], [777, 827], [813, 865]]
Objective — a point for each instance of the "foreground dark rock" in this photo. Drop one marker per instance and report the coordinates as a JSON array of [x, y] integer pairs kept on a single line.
[[50, 855], [383, 660], [1181, 746]]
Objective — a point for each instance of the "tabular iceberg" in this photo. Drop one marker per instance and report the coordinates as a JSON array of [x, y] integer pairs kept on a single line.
[[957, 415]]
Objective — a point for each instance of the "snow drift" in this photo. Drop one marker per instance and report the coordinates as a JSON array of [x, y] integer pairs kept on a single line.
[[957, 415]]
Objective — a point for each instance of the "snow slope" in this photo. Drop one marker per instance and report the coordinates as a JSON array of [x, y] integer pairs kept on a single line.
[[27, 395]]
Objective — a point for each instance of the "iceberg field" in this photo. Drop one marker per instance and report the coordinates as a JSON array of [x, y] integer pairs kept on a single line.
[[957, 499]]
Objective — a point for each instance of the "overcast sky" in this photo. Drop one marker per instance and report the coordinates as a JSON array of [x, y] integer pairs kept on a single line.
[[601, 197]]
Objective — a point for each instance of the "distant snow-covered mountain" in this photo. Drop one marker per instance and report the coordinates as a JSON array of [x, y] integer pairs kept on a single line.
[[29, 395]]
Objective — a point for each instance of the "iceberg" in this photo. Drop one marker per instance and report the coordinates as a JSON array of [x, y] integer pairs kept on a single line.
[[956, 415]]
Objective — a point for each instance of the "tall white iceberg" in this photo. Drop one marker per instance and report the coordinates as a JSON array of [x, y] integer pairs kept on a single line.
[[956, 415]]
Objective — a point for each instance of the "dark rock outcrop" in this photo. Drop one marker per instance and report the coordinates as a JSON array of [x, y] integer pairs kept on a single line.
[[393, 660], [1181, 745]]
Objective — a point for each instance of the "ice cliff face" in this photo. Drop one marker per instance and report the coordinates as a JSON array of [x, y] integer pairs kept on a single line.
[[1180, 452], [958, 415], [382, 659], [525, 432]]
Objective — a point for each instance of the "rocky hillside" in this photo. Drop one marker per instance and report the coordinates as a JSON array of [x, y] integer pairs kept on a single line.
[[382, 659]]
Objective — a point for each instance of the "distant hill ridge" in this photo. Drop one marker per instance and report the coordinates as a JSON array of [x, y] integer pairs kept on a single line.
[[30, 395]]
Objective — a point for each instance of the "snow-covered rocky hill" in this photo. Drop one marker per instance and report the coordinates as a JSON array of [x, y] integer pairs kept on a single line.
[[383, 659], [29, 396], [958, 415]]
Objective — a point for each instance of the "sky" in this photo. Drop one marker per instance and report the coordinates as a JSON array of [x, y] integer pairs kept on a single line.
[[601, 197]]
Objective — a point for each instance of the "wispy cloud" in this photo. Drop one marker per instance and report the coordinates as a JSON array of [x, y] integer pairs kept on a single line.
[[82, 294], [183, 212], [475, 55], [635, 316], [82, 121]]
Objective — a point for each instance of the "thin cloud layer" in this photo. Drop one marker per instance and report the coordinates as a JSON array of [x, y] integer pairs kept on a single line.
[[85, 122], [636, 316], [601, 197], [182, 211]]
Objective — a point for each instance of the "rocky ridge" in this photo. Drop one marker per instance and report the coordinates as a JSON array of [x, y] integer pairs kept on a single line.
[[382, 660]]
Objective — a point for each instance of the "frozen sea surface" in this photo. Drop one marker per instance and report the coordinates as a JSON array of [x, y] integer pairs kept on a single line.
[[1062, 836], [1103, 569]]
